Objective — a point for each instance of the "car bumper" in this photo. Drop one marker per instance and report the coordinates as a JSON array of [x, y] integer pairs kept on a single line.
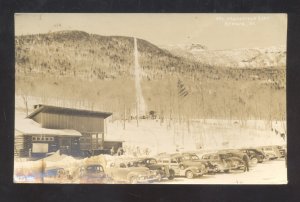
[[148, 179], [237, 167], [213, 170]]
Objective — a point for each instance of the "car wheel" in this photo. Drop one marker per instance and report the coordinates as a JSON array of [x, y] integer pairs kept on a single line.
[[133, 180], [189, 174], [172, 175]]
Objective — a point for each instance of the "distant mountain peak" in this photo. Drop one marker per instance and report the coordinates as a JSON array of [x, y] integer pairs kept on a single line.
[[196, 47]]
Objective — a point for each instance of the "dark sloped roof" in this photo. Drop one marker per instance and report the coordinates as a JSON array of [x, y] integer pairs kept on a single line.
[[30, 127], [69, 111]]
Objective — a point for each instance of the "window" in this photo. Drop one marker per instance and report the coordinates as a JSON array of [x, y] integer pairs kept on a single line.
[[39, 148], [94, 169], [41, 138], [122, 165], [194, 157], [152, 161]]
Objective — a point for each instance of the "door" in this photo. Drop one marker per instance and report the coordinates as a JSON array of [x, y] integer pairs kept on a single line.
[[75, 147], [175, 166], [65, 145]]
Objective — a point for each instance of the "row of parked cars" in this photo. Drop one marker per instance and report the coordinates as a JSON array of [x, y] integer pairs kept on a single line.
[[164, 166]]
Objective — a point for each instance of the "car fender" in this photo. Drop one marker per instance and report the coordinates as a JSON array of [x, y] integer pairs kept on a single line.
[[132, 174], [192, 168]]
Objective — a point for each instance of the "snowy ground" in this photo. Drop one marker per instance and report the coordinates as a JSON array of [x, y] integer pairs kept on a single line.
[[270, 172]]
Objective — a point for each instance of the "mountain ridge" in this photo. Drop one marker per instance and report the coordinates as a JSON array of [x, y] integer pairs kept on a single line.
[[82, 67], [274, 56]]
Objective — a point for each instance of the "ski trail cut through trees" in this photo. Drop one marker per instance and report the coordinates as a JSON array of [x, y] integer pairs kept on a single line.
[[141, 106]]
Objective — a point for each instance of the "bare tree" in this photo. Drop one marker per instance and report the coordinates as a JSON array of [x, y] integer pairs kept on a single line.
[[25, 100]]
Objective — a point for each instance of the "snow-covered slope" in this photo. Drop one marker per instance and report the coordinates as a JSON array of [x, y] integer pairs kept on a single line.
[[209, 134], [239, 58]]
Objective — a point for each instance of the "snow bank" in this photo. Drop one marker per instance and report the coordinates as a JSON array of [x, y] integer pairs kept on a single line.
[[209, 134]]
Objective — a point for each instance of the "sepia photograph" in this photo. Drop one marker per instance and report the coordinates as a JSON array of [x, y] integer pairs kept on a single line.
[[150, 98]]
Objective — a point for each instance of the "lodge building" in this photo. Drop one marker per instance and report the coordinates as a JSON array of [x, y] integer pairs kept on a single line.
[[73, 132]]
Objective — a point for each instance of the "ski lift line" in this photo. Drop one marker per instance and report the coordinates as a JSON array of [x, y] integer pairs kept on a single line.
[[141, 106]]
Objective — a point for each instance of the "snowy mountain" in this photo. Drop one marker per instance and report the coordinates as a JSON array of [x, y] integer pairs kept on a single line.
[[234, 58]]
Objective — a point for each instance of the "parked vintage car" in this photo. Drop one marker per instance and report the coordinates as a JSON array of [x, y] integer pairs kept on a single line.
[[281, 151], [270, 152], [255, 155], [234, 159], [127, 172], [190, 156], [224, 161], [182, 167], [57, 175], [219, 163], [93, 173], [151, 163]]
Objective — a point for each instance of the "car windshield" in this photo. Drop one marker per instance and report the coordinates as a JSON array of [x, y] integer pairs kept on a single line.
[[151, 161], [94, 169], [122, 165], [135, 163], [194, 157], [163, 160]]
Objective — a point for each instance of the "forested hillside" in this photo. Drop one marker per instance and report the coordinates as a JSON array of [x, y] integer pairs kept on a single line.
[[77, 67]]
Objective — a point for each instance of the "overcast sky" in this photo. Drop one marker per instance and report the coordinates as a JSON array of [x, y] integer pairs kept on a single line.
[[216, 31]]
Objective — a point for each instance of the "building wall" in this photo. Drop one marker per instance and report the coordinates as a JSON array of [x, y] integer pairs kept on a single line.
[[79, 123], [110, 144], [67, 145], [19, 144]]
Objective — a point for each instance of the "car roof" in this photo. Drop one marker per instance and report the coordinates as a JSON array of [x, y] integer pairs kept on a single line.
[[145, 158], [53, 168], [92, 164]]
